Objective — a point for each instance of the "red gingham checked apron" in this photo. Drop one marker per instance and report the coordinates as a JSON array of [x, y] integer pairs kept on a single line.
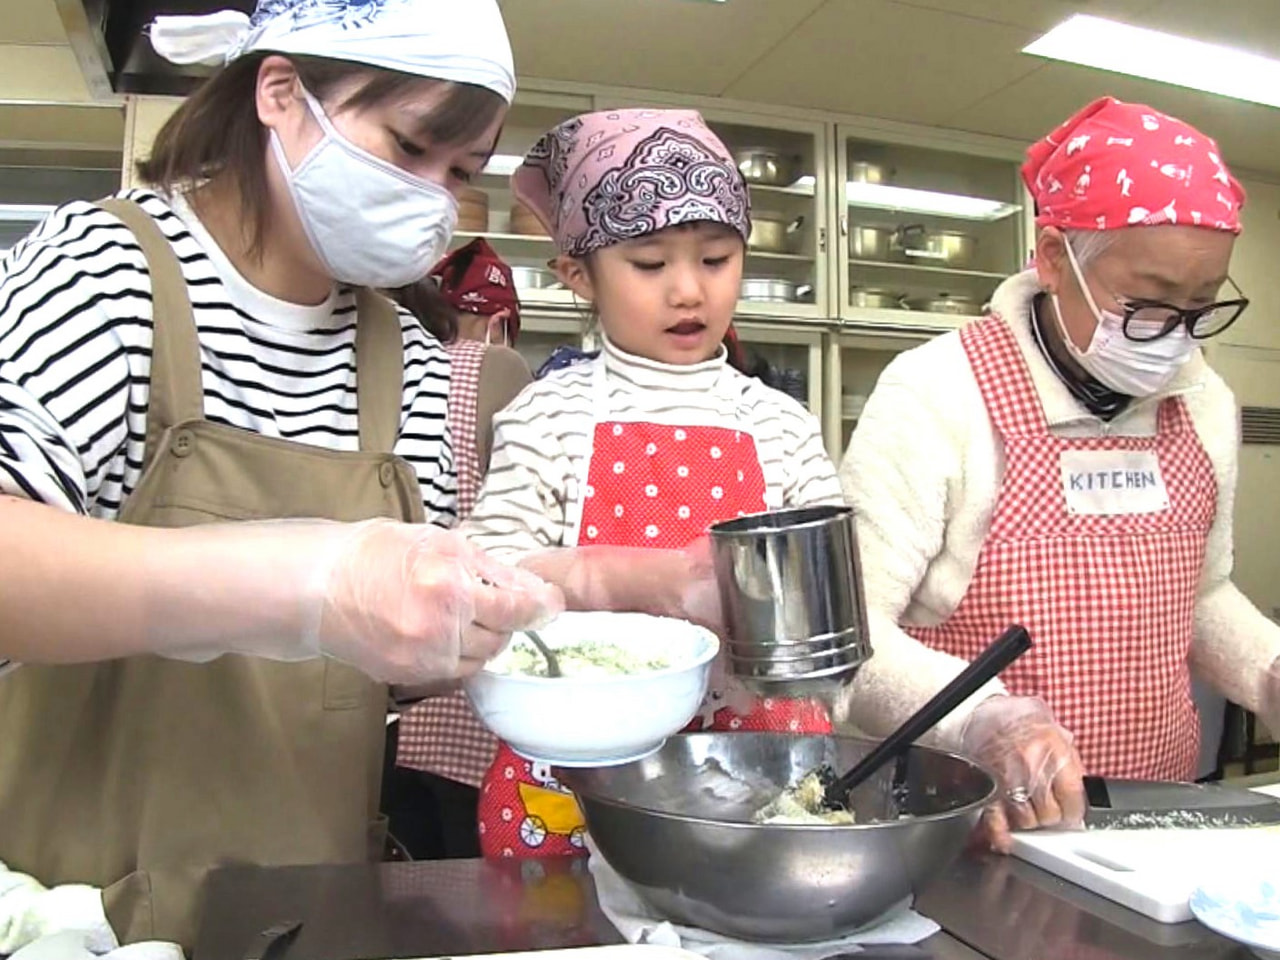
[[1108, 599], [646, 485], [443, 735]]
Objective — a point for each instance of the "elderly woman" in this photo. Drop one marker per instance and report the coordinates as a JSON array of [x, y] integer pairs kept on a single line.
[[1069, 463]]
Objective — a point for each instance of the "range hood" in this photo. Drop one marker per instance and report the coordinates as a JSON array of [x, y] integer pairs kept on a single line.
[[109, 40]]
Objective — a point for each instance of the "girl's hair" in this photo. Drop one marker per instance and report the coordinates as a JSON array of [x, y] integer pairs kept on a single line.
[[216, 131], [425, 301]]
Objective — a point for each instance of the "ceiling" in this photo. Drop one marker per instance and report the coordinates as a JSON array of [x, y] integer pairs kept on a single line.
[[944, 63]]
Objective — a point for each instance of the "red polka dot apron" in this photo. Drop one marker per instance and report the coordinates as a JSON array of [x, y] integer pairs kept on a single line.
[[1096, 545], [644, 485]]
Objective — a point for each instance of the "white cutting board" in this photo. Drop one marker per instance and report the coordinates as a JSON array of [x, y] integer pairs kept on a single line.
[[1151, 871]]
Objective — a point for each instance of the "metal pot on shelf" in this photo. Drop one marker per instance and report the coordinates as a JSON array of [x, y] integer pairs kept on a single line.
[[770, 234], [870, 243], [945, 248], [954, 304], [767, 168], [773, 290], [866, 298], [864, 171], [534, 278]]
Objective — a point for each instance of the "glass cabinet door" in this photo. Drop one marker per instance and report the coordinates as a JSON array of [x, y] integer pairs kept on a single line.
[[488, 209], [925, 235], [855, 362]]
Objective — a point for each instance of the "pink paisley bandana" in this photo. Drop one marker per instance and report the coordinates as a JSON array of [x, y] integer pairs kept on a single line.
[[603, 178]]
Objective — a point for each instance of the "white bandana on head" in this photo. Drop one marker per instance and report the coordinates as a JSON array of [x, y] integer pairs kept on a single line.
[[463, 41]]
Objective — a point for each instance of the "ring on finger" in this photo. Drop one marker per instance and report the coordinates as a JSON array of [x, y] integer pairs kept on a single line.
[[1018, 795]]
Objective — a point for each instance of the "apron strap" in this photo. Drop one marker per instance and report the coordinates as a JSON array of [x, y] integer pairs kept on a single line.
[[379, 371], [1003, 378], [176, 391]]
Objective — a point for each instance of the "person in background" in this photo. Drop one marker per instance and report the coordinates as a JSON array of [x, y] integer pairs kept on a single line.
[[195, 689], [439, 750], [1069, 463], [635, 453]]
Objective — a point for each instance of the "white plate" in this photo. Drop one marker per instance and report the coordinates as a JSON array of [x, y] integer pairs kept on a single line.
[[1244, 907]]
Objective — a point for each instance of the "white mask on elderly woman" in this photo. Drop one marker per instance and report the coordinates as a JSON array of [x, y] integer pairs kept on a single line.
[[1130, 367], [371, 223]]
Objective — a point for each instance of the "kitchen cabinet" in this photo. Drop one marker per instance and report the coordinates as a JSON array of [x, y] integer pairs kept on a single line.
[[488, 208], [923, 230], [855, 359], [804, 169], [143, 118]]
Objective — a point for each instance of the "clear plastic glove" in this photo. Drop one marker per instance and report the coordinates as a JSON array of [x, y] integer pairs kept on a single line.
[[29, 913], [1269, 711], [404, 603], [1037, 768], [664, 583]]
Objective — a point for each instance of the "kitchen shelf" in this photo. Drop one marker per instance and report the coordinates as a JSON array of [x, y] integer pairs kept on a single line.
[[934, 215], [505, 237], [766, 255], [925, 268], [792, 191]]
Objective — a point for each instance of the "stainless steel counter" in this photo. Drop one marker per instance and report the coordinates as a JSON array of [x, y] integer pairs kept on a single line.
[[989, 907]]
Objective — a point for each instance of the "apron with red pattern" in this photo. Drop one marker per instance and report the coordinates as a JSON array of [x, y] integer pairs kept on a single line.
[[1108, 596], [644, 485]]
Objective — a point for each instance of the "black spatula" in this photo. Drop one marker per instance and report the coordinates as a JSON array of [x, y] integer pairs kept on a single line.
[[1012, 644]]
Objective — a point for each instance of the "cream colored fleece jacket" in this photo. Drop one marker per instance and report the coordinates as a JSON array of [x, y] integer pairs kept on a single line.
[[923, 470]]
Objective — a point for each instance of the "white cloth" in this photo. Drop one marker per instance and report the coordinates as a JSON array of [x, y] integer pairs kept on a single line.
[[638, 924], [75, 945], [543, 440], [462, 42], [29, 912], [922, 472]]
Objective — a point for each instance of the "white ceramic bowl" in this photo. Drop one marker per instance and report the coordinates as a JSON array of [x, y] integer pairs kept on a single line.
[[598, 720]]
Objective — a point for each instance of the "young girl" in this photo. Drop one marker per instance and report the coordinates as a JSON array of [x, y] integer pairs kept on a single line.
[[659, 437]]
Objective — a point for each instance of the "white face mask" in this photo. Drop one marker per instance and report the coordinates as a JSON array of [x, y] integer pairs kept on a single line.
[[370, 223], [1136, 369]]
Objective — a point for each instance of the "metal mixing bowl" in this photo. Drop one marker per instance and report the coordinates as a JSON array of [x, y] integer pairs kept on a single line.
[[678, 827]]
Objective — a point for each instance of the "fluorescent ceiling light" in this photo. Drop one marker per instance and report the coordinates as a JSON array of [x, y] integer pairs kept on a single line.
[[1163, 57], [882, 196], [24, 212], [503, 164]]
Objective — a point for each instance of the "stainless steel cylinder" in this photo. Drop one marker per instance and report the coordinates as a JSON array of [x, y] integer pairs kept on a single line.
[[791, 584]]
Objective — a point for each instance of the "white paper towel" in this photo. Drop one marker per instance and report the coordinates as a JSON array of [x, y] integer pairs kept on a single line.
[[638, 924]]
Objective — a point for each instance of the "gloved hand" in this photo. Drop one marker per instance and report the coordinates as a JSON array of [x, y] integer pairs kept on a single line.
[[405, 603], [1269, 711], [30, 912], [664, 583], [1037, 769]]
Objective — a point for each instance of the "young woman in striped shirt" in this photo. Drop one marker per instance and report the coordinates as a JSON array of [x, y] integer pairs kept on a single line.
[[208, 351]]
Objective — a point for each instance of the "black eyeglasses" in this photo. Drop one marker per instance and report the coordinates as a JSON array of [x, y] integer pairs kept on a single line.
[[1147, 320]]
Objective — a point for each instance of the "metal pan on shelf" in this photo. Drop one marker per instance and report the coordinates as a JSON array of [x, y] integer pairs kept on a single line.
[[773, 290], [767, 168]]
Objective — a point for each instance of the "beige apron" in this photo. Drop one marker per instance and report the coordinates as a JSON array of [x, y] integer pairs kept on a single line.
[[137, 775]]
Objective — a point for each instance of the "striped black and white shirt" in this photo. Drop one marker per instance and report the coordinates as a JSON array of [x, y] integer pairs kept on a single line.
[[75, 356], [543, 439]]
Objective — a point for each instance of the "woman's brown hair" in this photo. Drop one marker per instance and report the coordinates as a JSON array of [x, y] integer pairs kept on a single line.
[[216, 131]]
